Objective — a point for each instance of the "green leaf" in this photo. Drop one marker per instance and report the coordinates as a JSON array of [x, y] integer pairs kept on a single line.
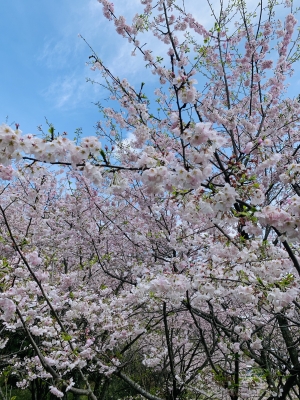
[[103, 155], [66, 337]]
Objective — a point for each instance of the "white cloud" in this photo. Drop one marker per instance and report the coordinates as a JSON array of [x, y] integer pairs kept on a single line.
[[54, 55], [69, 91], [65, 53]]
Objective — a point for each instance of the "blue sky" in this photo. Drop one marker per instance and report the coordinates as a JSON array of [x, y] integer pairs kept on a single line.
[[43, 70], [43, 66]]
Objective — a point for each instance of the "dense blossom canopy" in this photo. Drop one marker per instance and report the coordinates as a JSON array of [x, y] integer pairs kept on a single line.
[[168, 262]]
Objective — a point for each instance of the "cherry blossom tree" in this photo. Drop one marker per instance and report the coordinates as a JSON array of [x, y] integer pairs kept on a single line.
[[167, 263]]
